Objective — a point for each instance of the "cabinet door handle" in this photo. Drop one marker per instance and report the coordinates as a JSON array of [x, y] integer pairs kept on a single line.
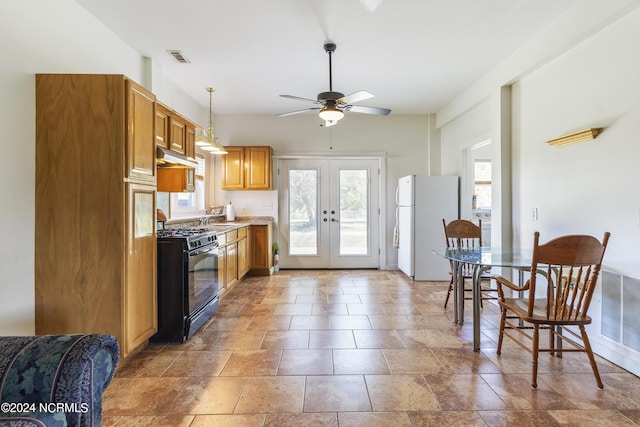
[[334, 220], [325, 220]]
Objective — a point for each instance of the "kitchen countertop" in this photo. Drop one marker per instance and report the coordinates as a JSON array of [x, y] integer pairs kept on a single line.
[[217, 224]]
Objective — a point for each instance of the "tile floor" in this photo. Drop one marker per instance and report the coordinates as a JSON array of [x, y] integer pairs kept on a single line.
[[357, 348]]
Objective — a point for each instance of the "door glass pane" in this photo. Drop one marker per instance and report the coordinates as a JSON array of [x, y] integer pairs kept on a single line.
[[354, 195], [482, 179], [303, 224]]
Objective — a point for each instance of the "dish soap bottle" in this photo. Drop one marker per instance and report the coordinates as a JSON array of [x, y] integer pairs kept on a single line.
[[230, 215]]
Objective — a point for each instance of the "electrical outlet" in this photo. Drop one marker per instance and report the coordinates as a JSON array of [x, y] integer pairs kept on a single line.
[[266, 206], [535, 214]]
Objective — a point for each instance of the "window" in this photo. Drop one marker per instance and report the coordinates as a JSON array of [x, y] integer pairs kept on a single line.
[[191, 203], [482, 183]]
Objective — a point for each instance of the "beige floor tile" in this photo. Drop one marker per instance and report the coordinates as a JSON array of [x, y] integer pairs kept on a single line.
[[236, 323], [299, 420], [331, 339], [412, 361], [306, 362], [269, 323], [359, 361], [321, 309], [149, 421], [400, 393], [147, 364], [515, 390], [240, 340], [433, 338], [519, 418], [293, 309], [337, 393], [286, 340], [252, 362], [377, 339], [207, 363], [464, 392], [140, 396], [263, 395], [591, 418], [207, 395], [362, 309], [374, 419], [370, 348], [447, 418], [256, 420], [463, 361]]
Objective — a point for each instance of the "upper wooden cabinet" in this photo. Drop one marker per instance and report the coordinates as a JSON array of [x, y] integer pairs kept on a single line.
[[177, 134], [247, 168], [162, 125], [95, 208], [140, 149]]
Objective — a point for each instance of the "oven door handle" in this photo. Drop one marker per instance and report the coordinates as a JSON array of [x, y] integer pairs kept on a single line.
[[201, 251]]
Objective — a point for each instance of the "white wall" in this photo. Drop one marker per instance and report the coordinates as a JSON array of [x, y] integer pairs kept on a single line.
[[590, 187], [404, 139], [44, 37]]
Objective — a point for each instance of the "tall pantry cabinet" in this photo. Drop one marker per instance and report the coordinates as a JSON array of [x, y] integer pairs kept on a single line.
[[95, 242]]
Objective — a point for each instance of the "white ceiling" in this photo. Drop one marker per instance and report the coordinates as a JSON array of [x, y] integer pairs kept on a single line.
[[414, 55]]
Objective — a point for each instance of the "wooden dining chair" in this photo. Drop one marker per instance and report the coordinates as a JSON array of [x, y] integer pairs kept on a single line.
[[463, 234], [569, 267]]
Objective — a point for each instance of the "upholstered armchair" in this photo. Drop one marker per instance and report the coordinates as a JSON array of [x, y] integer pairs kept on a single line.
[[55, 380]]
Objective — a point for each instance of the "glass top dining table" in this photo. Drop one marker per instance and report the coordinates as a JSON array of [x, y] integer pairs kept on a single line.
[[482, 259]]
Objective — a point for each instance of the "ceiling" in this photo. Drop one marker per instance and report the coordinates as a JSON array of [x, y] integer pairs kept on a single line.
[[414, 55]]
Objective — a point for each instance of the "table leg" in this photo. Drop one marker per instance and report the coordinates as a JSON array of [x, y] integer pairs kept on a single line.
[[460, 299], [477, 273], [455, 291]]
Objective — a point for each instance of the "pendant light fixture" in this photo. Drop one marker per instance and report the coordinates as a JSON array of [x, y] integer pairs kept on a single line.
[[208, 141]]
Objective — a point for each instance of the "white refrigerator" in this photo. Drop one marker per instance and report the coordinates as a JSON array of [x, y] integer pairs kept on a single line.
[[423, 201]]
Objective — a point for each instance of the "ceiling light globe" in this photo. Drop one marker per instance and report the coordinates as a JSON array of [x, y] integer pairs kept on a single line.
[[331, 114]]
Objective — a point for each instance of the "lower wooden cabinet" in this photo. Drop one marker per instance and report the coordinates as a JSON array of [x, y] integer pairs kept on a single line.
[[232, 258], [261, 252]]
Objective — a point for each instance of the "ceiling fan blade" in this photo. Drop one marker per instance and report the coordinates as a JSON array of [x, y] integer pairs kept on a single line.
[[298, 112], [298, 98], [367, 110], [361, 95]]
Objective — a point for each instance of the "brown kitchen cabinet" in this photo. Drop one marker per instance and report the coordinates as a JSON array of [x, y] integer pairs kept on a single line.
[[175, 128], [261, 253], [177, 134], [174, 180], [247, 168], [162, 125], [232, 258], [95, 239]]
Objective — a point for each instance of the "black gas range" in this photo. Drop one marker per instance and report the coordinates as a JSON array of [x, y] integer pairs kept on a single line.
[[187, 282]]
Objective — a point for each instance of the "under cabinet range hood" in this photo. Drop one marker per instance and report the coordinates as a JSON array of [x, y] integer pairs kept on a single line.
[[170, 159]]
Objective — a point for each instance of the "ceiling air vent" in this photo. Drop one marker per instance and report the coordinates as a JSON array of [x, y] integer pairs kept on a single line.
[[178, 56]]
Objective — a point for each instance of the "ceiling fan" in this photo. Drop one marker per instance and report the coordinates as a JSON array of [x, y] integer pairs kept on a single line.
[[332, 105]]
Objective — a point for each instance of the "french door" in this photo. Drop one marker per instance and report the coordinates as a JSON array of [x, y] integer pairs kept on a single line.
[[329, 213]]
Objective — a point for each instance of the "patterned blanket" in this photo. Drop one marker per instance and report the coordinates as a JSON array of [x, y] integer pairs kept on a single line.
[[55, 380]]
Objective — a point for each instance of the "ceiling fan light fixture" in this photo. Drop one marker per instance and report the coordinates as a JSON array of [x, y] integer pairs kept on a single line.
[[331, 114]]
